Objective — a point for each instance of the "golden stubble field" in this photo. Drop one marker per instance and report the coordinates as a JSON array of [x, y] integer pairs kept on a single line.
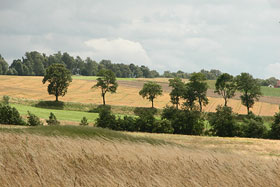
[[127, 94], [32, 160]]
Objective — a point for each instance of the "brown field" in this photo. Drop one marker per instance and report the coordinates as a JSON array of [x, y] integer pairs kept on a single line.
[[127, 94], [32, 160]]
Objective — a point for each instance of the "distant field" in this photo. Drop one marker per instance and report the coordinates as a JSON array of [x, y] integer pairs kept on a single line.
[[95, 77], [127, 94], [64, 115], [77, 156], [275, 92]]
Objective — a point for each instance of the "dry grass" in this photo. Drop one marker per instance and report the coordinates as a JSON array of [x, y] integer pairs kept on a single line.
[[127, 94], [32, 160]]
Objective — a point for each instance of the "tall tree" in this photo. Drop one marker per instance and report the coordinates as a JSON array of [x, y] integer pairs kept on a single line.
[[150, 91], [59, 78], [107, 82], [225, 86], [3, 66], [249, 88], [178, 88], [199, 88]]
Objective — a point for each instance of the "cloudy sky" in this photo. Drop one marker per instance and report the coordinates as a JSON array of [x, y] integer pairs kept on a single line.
[[233, 36]]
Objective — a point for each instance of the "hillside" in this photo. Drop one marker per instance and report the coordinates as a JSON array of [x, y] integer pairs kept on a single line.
[[38, 160], [127, 94]]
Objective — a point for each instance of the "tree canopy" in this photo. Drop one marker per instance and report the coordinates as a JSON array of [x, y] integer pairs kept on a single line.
[[178, 88], [59, 79], [249, 88], [150, 91], [107, 82], [225, 86], [196, 89]]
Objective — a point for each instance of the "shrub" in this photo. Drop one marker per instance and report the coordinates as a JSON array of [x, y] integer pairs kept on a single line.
[[163, 126], [6, 99], [84, 121], [253, 127], [128, 123], [52, 120], [141, 111], [184, 121], [33, 120], [275, 127], [10, 115], [223, 122], [106, 119]]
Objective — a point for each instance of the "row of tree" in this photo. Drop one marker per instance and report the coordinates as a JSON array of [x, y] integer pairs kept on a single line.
[[35, 63], [188, 94]]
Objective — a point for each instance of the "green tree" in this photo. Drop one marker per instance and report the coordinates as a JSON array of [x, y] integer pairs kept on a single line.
[[150, 91], [275, 127], [225, 86], [249, 88], [107, 82], [3, 66], [223, 122], [197, 88], [59, 79], [178, 88]]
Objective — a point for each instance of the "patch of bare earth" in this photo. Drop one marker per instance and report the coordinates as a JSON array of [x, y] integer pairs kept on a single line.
[[31, 160]]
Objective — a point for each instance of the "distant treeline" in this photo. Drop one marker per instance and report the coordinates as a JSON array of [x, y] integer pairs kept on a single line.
[[35, 64]]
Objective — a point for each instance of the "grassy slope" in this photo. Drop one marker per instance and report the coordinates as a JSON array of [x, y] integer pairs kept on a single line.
[[30, 158]]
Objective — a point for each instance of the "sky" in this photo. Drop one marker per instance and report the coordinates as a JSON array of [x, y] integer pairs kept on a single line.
[[233, 36]]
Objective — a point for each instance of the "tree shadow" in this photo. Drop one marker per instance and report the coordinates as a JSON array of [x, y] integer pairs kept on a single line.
[[50, 105]]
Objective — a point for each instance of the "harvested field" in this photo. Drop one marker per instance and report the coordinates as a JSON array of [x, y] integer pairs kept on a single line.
[[127, 94], [32, 160]]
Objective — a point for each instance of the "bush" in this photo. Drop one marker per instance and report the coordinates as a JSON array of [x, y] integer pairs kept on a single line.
[[52, 120], [6, 99], [10, 115], [275, 127], [163, 126], [253, 127], [33, 120], [128, 123], [184, 121], [84, 121], [223, 122], [141, 111], [106, 119]]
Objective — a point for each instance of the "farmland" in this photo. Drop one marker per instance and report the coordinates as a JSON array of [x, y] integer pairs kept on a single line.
[[79, 156], [80, 91]]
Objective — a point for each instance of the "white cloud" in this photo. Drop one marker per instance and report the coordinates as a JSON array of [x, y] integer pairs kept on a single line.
[[117, 50], [273, 70]]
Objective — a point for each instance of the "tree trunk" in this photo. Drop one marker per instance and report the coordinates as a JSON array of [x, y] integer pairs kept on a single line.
[[56, 98], [177, 106], [152, 103], [103, 96], [248, 110], [225, 101]]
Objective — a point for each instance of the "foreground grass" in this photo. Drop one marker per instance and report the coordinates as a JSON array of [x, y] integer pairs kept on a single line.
[[82, 132], [33, 157]]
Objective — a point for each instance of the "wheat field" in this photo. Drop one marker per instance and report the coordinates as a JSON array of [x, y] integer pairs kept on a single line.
[[127, 94], [32, 160]]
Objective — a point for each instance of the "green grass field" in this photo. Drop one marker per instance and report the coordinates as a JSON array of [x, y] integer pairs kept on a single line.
[[266, 91], [65, 115]]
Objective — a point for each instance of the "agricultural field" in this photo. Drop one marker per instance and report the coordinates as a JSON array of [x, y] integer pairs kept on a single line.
[[80, 91], [88, 156]]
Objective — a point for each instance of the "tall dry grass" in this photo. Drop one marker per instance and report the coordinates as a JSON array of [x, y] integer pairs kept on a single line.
[[32, 160]]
